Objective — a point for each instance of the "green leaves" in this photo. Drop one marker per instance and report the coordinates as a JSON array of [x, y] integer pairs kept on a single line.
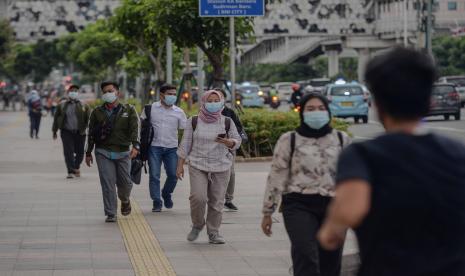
[[95, 49], [6, 39], [450, 54]]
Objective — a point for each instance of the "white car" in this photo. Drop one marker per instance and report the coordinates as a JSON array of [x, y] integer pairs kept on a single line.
[[284, 90]]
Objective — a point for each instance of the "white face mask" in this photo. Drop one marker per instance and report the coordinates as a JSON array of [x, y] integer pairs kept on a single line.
[[109, 97], [73, 95]]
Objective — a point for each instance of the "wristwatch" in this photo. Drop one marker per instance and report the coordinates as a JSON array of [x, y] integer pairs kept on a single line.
[[136, 146]]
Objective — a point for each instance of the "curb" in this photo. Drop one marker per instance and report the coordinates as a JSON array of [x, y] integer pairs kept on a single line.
[[253, 159]]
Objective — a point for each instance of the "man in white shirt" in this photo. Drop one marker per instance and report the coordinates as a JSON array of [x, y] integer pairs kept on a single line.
[[166, 118]]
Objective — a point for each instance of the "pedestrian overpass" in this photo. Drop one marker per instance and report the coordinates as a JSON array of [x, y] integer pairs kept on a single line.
[[299, 31]]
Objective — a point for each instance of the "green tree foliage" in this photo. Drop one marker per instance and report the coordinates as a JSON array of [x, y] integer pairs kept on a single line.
[[146, 45], [179, 19], [275, 72], [35, 61], [6, 47], [348, 68], [96, 50], [450, 55], [6, 39]]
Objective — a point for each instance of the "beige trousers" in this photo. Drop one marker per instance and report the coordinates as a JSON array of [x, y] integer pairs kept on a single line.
[[207, 189]]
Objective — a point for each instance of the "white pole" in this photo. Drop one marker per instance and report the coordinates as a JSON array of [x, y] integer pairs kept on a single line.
[[405, 24], [200, 72], [232, 49], [169, 61]]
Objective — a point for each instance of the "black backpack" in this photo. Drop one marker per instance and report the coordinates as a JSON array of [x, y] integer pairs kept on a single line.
[[146, 133]]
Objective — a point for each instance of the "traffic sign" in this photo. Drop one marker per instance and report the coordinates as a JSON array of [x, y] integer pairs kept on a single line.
[[231, 8]]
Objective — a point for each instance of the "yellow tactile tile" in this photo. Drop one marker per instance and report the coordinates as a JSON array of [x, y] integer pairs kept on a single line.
[[144, 251]]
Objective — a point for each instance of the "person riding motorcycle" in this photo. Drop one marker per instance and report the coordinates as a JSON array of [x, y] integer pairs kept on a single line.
[[296, 95]]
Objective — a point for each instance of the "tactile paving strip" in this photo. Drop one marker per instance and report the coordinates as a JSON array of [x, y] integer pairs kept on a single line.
[[144, 250]]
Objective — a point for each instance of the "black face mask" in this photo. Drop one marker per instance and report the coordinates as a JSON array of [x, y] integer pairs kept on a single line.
[[304, 129]]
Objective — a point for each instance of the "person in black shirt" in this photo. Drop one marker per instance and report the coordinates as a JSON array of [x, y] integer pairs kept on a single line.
[[228, 112], [403, 192]]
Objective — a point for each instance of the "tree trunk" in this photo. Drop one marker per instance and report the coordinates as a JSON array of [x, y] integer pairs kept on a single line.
[[216, 61], [146, 97], [187, 79], [158, 65]]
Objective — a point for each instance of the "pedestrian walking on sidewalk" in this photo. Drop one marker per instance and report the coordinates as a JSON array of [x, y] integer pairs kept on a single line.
[[164, 119], [206, 145], [303, 176], [71, 118], [114, 130], [228, 112], [404, 191], [35, 107]]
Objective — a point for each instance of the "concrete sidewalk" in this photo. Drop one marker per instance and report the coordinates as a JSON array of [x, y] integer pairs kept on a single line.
[[53, 226]]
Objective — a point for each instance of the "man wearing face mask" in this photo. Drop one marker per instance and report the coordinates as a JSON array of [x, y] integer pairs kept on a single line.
[[71, 118], [114, 131], [164, 118]]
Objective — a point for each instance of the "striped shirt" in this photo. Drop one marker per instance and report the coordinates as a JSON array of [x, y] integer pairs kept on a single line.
[[201, 150]]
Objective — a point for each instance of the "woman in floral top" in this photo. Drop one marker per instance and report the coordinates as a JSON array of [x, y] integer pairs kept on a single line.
[[303, 176]]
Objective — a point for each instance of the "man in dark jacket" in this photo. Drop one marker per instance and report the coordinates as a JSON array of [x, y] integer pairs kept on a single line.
[[71, 118], [114, 131], [228, 112]]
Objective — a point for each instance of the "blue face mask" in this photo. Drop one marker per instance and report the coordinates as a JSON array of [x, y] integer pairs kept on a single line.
[[109, 97], [316, 119], [214, 107], [73, 95], [170, 99]]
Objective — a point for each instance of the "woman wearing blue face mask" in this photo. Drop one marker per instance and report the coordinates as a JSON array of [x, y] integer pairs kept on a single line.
[[303, 174], [206, 146]]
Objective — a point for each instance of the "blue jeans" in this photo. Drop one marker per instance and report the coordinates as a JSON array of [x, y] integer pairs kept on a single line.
[[168, 156]]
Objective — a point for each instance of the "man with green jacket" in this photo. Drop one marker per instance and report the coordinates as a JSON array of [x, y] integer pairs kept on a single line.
[[71, 118], [114, 131]]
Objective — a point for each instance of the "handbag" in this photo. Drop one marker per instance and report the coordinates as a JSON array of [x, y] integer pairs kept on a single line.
[[136, 169]]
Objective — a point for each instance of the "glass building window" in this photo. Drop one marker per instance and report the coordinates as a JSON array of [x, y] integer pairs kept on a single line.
[[452, 6]]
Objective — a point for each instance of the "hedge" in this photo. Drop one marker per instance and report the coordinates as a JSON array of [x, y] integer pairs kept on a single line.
[[263, 126]]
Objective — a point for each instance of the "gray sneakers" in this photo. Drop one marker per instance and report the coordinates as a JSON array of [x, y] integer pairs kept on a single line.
[[215, 238], [193, 234]]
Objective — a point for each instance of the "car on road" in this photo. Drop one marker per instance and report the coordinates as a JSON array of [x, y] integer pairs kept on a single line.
[[459, 82], [317, 85], [284, 90], [445, 101], [347, 100], [251, 95]]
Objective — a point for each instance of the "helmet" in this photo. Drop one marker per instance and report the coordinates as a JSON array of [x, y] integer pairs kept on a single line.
[[295, 86]]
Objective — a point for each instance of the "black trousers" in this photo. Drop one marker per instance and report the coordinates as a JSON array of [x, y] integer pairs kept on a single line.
[[35, 124], [73, 149], [303, 216]]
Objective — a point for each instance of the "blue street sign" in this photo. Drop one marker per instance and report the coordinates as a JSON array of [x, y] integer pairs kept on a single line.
[[231, 8]]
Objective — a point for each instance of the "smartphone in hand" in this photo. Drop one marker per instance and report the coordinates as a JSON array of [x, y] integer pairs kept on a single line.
[[222, 135]]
